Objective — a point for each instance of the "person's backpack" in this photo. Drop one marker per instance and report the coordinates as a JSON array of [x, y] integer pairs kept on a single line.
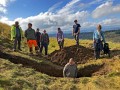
[[106, 49]]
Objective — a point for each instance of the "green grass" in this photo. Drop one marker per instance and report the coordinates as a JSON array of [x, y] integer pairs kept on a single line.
[[17, 77]]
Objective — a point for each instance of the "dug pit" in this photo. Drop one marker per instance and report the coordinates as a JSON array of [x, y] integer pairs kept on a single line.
[[58, 60]]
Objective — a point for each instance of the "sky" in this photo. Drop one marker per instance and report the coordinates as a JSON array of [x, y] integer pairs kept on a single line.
[[51, 14]]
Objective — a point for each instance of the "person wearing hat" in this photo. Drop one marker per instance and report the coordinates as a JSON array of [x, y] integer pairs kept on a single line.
[[60, 38], [44, 42], [38, 37], [31, 39], [76, 31], [16, 35], [98, 39]]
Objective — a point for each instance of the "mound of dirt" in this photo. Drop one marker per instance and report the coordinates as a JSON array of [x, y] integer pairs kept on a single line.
[[80, 54]]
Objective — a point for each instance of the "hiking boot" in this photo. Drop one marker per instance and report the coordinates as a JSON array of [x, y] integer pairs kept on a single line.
[[20, 49], [14, 50], [46, 56], [31, 54]]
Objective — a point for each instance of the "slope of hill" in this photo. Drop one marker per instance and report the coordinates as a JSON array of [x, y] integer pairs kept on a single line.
[[4, 30], [19, 71]]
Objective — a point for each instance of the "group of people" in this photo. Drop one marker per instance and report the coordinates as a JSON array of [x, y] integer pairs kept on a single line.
[[34, 38], [70, 69], [40, 40]]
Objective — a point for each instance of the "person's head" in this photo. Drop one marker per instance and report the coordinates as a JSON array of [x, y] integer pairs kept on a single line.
[[16, 23], [37, 30], [75, 21], [71, 61], [99, 27], [44, 31], [59, 29], [29, 25]]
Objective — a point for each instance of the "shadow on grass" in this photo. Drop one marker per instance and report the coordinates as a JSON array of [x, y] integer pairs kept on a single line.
[[40, 67]]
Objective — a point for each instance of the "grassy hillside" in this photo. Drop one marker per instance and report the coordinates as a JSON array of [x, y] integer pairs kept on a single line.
[[17, 77], [18, 71], [4, 30]]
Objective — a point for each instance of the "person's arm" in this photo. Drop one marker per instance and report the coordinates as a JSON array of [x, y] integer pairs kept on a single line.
[[76, 72], [26, 33], [73, 31], [93, 37], [40, 37], [34, 33], [48, 38], [12, 33], [57, 37], [63, 36], [65, 70], [78, 29], [22, 33], [103, 37]]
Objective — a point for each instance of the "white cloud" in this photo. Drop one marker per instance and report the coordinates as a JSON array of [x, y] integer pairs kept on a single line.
[[105, 9], [111, 22], [71, 7], [3, 5], [54, 7], [3, 10], [65, 16], [5, 2], [52, 20]]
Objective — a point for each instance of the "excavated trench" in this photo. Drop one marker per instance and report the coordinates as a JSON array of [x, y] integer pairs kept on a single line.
[[40, 67], [51, 70]]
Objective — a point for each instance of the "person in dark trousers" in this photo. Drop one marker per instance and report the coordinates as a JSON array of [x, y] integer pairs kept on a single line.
[[60, 38], [76, 31], [44, 42], [70, 69], [16, 35], [98, 39], [31, 39], [38, 37]]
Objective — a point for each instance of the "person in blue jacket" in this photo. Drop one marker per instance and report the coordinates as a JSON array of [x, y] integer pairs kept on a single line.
[[98, 39]]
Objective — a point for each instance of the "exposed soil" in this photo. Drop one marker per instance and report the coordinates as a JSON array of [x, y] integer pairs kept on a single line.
[[80, 54], [40, 67], [89, 70]]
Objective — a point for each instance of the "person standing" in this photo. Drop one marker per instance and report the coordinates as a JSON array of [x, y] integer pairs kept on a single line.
[[76, 31], [44, 42], [31, 39], [16, 35], [70, 69], [98, 39], [60, 38], [38, 37]]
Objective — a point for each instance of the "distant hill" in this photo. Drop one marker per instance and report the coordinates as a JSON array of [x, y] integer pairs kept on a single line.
[[112, 35]]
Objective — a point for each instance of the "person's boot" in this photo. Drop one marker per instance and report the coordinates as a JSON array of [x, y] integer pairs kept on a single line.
[[20, 49], [30, 50], [37, 51], [14, 50]]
